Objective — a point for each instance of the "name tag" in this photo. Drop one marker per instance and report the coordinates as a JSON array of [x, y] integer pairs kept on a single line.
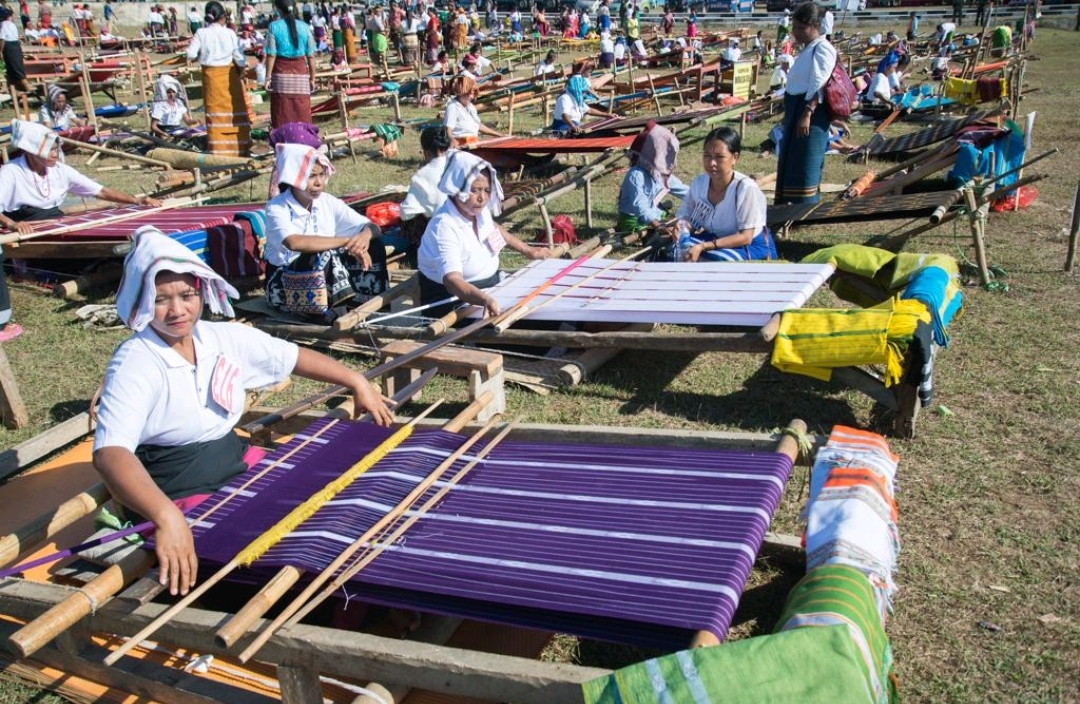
[[224, 382], [496, 241]]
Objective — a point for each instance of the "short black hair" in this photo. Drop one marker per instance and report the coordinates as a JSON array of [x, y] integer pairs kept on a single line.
[[726, 135], [435, 139]]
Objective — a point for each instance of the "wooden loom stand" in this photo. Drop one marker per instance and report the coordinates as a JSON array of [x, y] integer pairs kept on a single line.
[[131, 567], [303, 603], [194, 594], [293, 616], [287, 576]]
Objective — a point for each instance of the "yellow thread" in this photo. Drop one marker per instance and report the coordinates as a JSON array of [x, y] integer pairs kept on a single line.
[[304, 511]]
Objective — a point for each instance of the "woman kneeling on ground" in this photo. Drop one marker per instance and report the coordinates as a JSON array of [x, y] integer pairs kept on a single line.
[[174, 390], [459, 253], [722, 219], [321, 254]]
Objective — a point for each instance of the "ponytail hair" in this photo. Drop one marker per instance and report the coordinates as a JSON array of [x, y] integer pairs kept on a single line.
[[286, 9]]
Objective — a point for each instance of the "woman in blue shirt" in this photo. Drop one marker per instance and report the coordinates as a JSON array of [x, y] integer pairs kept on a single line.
[[649, 180], [290, 67]]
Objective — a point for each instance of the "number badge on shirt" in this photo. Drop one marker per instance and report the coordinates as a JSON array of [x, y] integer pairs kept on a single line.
[[224, 382]]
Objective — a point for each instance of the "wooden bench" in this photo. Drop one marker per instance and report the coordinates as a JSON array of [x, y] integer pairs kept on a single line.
[[484, 371]]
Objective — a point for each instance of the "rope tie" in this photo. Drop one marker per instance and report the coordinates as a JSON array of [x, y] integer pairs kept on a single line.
[[802, 440]]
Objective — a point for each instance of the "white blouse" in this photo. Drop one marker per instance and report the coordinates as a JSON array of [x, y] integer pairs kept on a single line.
[[461, 120], [424, 196], [567, 110], [743, 207], [451, 244], [168, 115], [329, 217], [812, 68], [20, 186]]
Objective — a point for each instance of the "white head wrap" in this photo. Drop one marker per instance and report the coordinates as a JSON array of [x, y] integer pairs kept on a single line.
[[294, 163], [164, 84], [153, 253], [32, 138], [462, 168]]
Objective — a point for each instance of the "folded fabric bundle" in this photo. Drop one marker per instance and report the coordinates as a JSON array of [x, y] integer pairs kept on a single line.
[[940, 293], [806, 665], [838, 595], [851, 514], [813, 342]]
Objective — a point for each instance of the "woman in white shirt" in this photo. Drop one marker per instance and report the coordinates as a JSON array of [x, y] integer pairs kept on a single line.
[[806, 116], [459, 253], [170, 116], [217, 49], [11, 50], [424, 196], [163, 444], [722, 219], [571, 109], [460, 116], [546, 68], [321, 254], [56, 112]]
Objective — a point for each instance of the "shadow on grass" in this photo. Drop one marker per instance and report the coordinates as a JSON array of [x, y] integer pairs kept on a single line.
[[64, 410]]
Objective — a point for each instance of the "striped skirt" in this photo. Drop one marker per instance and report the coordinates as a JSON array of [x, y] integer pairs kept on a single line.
[[228, 125], [290, 92], [798, 171]]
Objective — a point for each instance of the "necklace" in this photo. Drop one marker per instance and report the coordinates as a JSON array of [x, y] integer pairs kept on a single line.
[[42, 183]]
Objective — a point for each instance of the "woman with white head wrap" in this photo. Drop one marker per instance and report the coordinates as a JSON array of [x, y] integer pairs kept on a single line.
[[314, 237], [174, 390], [459, 253], [56, 112]]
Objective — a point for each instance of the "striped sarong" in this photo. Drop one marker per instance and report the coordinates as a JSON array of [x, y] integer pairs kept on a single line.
[[348, 36], [801, 159], [228, 124], [290, 92]]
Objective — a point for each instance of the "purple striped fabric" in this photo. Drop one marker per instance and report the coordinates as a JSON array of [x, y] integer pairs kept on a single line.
[[633, 544]]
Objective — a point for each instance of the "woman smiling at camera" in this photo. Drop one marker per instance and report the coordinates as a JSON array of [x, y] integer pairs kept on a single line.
[[174, 390], [459, 253], [722, 218]]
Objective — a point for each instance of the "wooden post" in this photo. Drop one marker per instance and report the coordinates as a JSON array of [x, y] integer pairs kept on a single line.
[[11, 403], [510, 110], [588, 202], [397, 107], [140, 82], [1074, 232], [976, 221], [88, 102]]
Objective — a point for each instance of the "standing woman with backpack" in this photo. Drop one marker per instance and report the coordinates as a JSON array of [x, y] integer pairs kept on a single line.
[[806, 114], [290, 66]]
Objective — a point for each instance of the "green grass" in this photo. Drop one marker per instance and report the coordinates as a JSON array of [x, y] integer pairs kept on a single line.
[[989, 496]]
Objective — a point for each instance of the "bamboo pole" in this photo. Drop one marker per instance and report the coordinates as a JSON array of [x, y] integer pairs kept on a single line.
[[44, 527], [377, 528], [1074, 232], [113, 152], [15, 238]]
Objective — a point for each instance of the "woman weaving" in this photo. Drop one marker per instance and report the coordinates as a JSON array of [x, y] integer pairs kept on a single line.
[[460, 116], [459, 253], [174, 390], [321, 253], [290, 67], [571, 108], [722, 219]]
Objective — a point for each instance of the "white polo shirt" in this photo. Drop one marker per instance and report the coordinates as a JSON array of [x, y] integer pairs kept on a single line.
[[20, 186], [461, 120], [569, 111], [216, 45], [154, 396], [451, 244], [329, 217], [743, 207]]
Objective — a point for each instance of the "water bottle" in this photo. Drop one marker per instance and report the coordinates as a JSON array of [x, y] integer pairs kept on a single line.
[[682, 240]]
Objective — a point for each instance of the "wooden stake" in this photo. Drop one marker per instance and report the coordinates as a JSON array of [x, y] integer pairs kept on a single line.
[[976, 222], [140, 82], [11, 404], [1074, 232]]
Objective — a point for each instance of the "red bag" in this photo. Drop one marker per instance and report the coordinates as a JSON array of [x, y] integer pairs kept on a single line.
[[841, 98], [562, 230], [384, 214]]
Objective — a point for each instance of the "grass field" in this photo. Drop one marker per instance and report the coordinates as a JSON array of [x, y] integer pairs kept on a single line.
[[989, 602]]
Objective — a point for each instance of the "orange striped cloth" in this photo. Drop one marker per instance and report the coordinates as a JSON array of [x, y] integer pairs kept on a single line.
[[228, 123]]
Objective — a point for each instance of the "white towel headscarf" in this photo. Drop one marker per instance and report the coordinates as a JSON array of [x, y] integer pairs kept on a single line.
[[462, 168], [32, 138], [164, 84], [294, 163], [153, 253]]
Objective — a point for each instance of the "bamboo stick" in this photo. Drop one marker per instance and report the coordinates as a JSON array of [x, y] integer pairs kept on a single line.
[[44, 527], [1074, 232], [389, 518], [265, 540], [287, 576], [113, 152]]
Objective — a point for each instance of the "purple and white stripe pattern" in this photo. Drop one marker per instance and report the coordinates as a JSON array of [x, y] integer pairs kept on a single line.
[[632, 544]]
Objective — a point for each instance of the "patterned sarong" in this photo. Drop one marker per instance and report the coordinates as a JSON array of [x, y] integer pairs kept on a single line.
[[801, 159], [228, 125], [290, 92]]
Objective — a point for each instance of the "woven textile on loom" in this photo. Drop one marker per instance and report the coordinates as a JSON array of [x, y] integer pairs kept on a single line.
[[970, 92], [634, 544], [168, 221], [815, 341]]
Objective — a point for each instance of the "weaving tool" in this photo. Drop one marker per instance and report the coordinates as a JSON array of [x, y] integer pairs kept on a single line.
[[258, 546]]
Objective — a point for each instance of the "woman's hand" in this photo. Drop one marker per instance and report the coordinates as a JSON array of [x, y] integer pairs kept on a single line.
[[147, 200], [357, 246], [491, 306], [694, 253], [539, 253], [367, 398], [803, 128], [175, 550]]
